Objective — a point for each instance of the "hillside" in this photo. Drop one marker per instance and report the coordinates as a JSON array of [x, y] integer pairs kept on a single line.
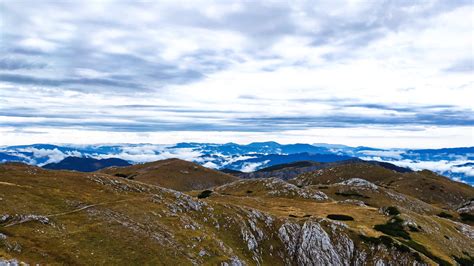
[[83, 164], [63, 217], [288, 171], [173, 173], [424, 185]]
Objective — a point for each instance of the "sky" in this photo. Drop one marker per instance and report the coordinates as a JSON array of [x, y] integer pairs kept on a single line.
[[372, 73]]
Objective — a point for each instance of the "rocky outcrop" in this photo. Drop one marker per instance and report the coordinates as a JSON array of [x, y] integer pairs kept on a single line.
[[466, 207], [12, 262], [310, 244], [324, 242], [359, 182]]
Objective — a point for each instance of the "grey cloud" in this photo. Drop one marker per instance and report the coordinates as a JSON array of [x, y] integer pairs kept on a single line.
[[380, 19], [466, 65], [211, 120], [142, 67], [15, 64], [32, 80]]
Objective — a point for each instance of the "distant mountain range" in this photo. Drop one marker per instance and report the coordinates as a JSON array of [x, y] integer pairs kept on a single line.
[[456, 163], [85, 164], [291, 170]]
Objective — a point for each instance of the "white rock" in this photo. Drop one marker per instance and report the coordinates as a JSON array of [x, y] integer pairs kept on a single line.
[[359, 182]]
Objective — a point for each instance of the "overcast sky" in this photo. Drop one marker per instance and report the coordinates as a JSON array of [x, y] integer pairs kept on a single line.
[[375, 73]]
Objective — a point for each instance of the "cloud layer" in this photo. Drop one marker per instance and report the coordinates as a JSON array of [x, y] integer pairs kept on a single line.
[[120, 71]]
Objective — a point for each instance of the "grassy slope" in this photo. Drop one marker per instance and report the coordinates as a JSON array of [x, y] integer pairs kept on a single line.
[[96, 219], [433, 235], [424, 185], [173, 173]]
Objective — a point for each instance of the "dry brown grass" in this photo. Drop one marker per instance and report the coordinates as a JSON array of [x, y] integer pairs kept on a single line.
[[173, 173], [95, 223]]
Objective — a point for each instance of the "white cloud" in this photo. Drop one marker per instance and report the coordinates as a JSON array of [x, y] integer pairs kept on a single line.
[[422, 137], [391, 153], [206, 70], [210, 165], [441, 166], [53, 155], [149, 153], [251, 167], [38, 43]]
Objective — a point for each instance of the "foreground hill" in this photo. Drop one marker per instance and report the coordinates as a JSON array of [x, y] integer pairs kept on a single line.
[[173, 173], [63, 217], [83, 164]]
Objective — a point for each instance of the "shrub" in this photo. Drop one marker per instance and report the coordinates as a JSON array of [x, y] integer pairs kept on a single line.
[[466, 217], [464, 261], [340, 217], [392, 210], [121, 175], [413, 228], [204, 194], [394, 227], [444, 215], [249, 191]]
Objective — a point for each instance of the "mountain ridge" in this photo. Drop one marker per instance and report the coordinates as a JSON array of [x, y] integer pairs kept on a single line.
[[84, 164], [456, 163]]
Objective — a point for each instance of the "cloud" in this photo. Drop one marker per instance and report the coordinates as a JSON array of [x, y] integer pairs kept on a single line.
[[443, 167], [52, 155], [394, 154], [210, 165], [251, 167], [15, 64], [245, 68], [466, 65], [149, 153]]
